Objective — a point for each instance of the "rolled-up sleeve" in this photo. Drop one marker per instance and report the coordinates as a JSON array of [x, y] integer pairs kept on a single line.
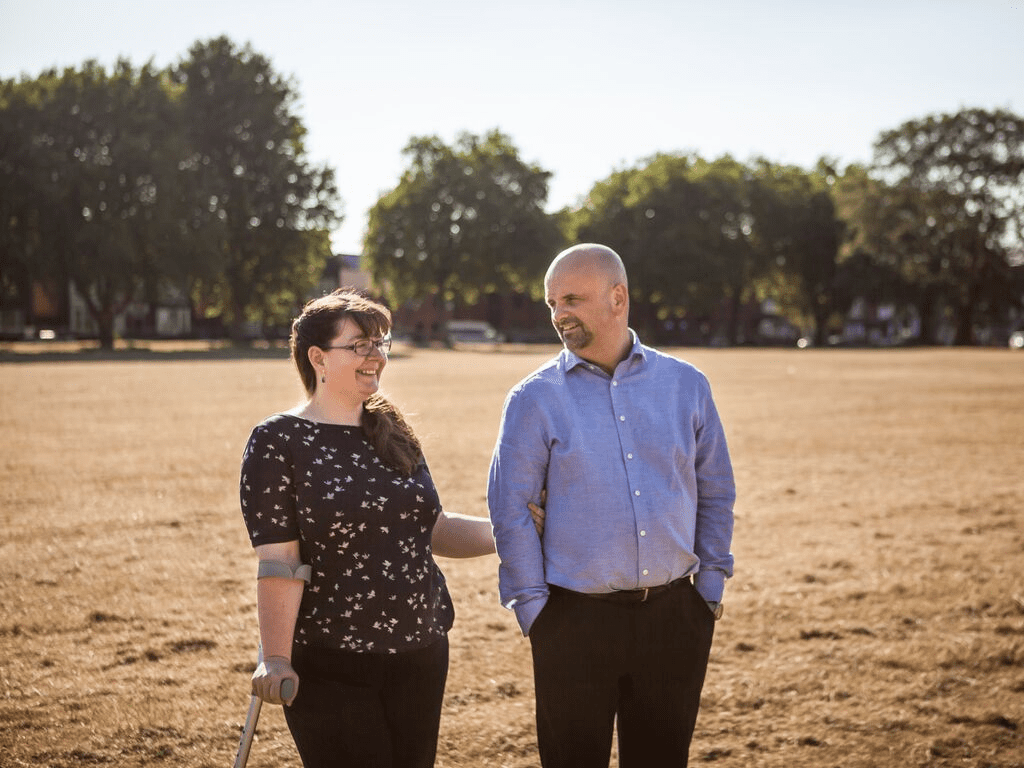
[[517, 476]]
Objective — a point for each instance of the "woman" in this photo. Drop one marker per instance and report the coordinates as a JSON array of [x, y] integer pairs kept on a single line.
[[345, 520]]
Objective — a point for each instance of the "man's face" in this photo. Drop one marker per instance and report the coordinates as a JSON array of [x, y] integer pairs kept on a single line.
[[581, 306]]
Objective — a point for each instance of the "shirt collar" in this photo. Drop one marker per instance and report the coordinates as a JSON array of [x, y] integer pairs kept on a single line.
[[637, 355]]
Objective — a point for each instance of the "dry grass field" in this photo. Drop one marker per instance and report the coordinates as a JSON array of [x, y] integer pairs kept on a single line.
[[876, 617]]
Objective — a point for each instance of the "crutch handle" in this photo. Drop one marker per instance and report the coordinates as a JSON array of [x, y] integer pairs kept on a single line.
[[287, 689]]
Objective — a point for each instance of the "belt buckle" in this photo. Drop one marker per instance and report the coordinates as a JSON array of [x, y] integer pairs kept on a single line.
[[646, 592]]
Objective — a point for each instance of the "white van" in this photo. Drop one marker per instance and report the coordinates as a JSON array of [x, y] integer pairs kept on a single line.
[[471, 332]]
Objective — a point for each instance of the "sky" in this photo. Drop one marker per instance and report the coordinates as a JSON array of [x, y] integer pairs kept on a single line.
[[583, 88]]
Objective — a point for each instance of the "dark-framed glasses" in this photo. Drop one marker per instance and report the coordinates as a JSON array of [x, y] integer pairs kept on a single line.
[[363, 347]]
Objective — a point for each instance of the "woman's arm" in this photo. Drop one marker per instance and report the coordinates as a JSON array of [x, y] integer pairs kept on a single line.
[[277, 604], [458, 535], [467, 536]]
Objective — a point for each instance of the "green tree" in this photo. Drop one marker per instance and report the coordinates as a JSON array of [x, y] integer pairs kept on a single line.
[[259, 209], [686, 228], [729, 236], [93, 199], [20, 203], [650, 215], [895, 251], [799, 235], [954, 182], [608, 216], [463, 221]]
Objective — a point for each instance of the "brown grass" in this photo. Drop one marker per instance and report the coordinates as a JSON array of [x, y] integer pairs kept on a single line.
[[876, 617]]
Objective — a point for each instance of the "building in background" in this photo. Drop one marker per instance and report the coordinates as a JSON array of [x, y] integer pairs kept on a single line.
[[343, 270]]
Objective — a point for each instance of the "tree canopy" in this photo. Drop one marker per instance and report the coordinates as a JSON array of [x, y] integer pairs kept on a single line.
[[942, 207], [116, 182], [464, 220], [256, 201], [120, 182], [697, 235], [92, 196]]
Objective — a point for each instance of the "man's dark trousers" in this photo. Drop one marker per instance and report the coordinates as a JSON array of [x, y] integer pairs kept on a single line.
[[596, 659]]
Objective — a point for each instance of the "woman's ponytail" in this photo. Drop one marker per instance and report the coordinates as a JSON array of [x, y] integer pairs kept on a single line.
[[390, 434]]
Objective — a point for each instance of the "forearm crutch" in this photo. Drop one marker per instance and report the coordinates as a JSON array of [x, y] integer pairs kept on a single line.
[[251, 719]]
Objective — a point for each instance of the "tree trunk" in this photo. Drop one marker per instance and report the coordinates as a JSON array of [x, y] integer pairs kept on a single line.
[[654, 326], [105, 323], [102, 310], [821, 314], [965, 317], [439, 333], [106, 315], [237, 328], [732, 328], [643, 315], [103, 315], [926, 312], [964, 335]]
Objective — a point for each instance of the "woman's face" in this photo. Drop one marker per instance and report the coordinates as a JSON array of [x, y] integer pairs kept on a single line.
[[349, 373]]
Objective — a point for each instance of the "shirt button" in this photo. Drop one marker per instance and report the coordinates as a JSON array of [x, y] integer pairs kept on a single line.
[[629, 455], [645, 571], [622, 418], [636, 493], [643, 533], [615, 383]]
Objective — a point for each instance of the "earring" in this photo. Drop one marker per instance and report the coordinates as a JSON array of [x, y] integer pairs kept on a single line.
[[323, 376]]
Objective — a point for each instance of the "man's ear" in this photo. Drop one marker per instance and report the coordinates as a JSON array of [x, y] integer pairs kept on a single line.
[[620, 298]]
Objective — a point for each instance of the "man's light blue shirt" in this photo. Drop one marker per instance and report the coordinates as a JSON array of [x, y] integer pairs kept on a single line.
[[639, 481]]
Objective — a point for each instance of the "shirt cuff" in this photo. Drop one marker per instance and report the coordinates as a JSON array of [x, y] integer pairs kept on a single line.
[[528, 611], [710, 584]]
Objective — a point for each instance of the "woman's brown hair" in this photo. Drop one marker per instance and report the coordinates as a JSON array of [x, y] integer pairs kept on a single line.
[[383, 424]]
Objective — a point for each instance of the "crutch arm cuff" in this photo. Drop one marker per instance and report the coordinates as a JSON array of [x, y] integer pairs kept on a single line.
[[276, 568]]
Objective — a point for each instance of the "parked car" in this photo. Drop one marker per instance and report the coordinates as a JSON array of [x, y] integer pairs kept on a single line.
[[471, 332]]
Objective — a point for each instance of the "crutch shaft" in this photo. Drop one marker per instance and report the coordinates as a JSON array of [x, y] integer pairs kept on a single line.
[[248, 731]]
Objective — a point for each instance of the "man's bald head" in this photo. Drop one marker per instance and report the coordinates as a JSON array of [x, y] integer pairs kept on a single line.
[[589, 258]]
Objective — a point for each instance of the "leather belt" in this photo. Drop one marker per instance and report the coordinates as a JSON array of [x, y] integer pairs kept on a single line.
[[627, 595]]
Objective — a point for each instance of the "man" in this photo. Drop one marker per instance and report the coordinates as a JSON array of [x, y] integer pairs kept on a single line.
[[620, 593]]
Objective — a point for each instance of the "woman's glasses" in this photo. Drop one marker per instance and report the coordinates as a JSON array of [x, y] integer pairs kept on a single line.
[[363, 347]]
